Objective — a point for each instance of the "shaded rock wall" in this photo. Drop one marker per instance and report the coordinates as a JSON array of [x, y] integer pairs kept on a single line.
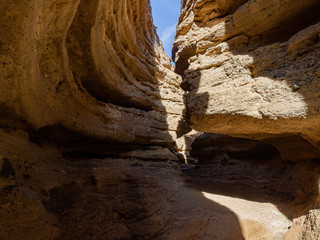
[[257, 163], [52, 197], [251, 68], [92, 77], [85, 79], [87, 68]]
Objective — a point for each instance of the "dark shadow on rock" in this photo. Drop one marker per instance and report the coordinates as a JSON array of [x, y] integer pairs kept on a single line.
[[258, 168], [248, 34], [113, 199], [260, 30], [116, 63]]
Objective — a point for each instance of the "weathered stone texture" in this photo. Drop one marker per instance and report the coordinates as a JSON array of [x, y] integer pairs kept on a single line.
[[251, 69], [92, 67], [306, 227]]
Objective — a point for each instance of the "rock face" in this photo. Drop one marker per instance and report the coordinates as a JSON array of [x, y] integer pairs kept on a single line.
[[261, 165], [90, 103], [306, 227], [251, 68], [92, 68]]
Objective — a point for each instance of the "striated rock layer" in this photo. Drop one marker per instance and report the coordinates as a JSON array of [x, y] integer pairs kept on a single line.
[[86, 80], [251, 68], [77, 69]]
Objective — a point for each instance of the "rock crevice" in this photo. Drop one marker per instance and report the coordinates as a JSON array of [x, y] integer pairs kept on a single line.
[[91, 110]]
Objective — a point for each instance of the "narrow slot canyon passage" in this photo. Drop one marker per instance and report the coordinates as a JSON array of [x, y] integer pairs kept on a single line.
[[264, 188], [108, 134]]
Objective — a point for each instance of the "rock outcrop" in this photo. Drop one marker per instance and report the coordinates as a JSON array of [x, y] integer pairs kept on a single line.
[[251, 68], [87, 70], [306, 227]]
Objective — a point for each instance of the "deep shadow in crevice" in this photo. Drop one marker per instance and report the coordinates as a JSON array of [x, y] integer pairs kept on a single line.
[[254, 170], [183, 62], [210, 146], [75, 145]]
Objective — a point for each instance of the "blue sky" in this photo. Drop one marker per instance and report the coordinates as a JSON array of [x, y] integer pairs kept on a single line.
[[165, 16]]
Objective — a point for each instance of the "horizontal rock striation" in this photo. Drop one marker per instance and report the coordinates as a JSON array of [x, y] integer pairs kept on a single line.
[[82, 80], [251, 71], [94, 69], [251, 68]]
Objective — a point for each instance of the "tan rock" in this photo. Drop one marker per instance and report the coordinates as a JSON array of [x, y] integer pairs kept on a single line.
[[93, 67], [253, 71], [306, 227], [183, 145]]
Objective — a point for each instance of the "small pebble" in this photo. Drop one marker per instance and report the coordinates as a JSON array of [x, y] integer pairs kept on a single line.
[[296, 86]]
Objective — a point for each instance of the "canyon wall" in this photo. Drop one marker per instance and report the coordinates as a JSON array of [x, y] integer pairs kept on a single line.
[[88, 92], [93, 70], [251, 68], [82, 80]]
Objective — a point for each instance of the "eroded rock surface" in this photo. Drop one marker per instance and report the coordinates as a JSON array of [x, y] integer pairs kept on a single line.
[[89, 100], [306, 227], [52, 197], [94, 68], [259, 165], [251, 70], [251, 67]]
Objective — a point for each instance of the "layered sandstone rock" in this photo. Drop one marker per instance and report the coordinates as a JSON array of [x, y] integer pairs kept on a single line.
[[83, 79], [251, 70], [89, 79], [92, 68], [251, 67]]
